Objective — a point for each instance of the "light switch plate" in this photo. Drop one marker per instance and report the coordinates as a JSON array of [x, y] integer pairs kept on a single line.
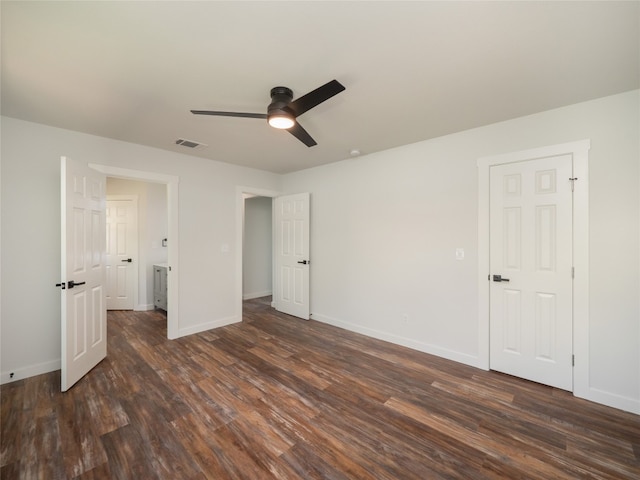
[[459, 253]]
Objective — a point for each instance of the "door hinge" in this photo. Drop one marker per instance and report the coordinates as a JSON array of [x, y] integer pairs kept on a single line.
[[573, 360], [573, 181], [573, 272]]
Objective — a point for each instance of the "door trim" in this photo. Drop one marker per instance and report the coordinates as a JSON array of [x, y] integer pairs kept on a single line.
[[579, 151], [172, 182]]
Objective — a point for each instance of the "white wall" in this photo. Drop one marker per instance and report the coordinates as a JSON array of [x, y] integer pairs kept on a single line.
[[257, 250], [385, 228], [31, 235], [152, 228], [383, 237]]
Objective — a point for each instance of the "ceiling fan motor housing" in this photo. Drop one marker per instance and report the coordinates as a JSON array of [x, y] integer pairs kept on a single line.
[[280, 98]]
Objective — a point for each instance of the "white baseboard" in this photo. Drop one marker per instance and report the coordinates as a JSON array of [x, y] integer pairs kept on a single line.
[[144, 307], [592, 394], [53, 365], [403, 341], [611, 400], [202, 327], [29, 371], [250, 296]]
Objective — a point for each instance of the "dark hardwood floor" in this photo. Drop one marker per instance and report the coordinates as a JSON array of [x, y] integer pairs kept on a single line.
[[278, 397]]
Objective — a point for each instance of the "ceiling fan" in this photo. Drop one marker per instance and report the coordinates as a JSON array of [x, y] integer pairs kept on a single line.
[[283, 110]]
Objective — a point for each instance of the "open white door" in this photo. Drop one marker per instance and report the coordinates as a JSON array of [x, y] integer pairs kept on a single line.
[[84, 313], [291, 293]]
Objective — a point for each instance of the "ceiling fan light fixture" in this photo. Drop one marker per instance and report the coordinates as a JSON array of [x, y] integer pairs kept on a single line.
[[283, 110], [281, 121]]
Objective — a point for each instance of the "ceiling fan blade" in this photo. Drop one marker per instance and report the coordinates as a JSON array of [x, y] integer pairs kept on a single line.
[[302, 135], [230, 114], [316, 97]]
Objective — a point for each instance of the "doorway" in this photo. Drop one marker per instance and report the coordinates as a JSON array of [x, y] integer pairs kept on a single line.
[[257, 253], [242, 194], [170, 184], [292, 283], [137, 251]]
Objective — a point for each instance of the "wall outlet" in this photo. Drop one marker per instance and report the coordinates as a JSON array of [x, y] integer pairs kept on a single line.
[[459, 253], [405, 318]]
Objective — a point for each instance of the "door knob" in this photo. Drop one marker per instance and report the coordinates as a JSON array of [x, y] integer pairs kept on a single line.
[[128, 260], [498, 278], [71, 284], [304, 262]]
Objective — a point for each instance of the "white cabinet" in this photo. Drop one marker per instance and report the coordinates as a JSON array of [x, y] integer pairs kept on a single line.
[[160, 286]]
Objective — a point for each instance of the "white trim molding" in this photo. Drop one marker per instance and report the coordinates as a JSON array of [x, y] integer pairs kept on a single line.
[[579, 151], [29, 371], [424, 347]]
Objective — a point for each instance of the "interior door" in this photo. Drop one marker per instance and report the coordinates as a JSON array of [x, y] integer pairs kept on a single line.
[[122, 248], [83, 306], [292, 255], [531, 318]]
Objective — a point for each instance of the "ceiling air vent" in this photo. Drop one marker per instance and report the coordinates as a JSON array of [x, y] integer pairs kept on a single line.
[[189, 143]]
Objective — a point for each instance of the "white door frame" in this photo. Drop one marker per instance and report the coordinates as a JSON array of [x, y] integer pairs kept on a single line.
[[580, 154], [172, 183], [240, 193], [136, 263]]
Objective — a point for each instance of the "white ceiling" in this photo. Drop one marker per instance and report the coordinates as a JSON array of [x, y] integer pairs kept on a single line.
[[412, 70]]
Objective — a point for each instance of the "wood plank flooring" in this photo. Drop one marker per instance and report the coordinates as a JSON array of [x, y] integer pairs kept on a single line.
[[280, 398]]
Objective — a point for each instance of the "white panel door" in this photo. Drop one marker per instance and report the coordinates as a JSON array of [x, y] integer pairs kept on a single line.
[[531, 319], [122, 248], [83, 306], [291, 293]]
